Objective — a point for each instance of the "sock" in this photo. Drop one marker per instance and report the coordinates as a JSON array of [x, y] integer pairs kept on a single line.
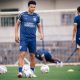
[[20, 69], [59, 61], [32, 69]]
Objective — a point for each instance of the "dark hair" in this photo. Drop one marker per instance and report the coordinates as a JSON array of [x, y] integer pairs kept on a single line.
[[31, 2], [78, 9]]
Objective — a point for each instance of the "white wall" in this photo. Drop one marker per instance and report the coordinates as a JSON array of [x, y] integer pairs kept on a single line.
[[7, 4], [22, 4], [41, 4], [45, 4], [67, 4], [7, 34], [58, 33]]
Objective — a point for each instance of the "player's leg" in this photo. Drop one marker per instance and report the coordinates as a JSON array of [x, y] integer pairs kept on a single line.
[[78, 51], [22, 54], [57, 61], [78, 46], [32, 50], [53, 60], [32, 61], [50, 59], [21, 63], [79, 54]]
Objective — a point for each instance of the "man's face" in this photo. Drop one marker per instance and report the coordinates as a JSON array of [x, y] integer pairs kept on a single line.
[[31, 8]]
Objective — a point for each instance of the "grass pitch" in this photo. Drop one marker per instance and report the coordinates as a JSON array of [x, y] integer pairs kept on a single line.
[[55, 73]]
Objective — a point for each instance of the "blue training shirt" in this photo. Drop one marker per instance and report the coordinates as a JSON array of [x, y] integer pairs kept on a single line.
[[28, 24], [77, 21]]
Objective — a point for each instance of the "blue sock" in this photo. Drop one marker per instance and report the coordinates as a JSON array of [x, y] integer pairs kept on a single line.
[[20, 69], [32, 69]]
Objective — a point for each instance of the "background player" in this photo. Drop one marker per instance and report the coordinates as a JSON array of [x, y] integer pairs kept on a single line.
[[76, 31], [45, 56], [28, 22]]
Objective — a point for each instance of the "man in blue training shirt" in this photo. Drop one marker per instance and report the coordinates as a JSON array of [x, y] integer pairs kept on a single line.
[[45, 56], [76, 31], [28, 22]]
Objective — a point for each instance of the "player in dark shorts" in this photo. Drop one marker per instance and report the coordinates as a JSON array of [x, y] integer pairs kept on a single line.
[[76, 31], [28, 22], [45, 56]]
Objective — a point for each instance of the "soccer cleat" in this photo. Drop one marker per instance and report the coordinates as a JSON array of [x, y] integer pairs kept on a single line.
[[20, 75], [59, 64], [34, 75]]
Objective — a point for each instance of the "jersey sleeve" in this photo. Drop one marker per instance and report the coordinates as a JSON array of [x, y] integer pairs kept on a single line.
[[75, 21], [38, 20], [19, 17]]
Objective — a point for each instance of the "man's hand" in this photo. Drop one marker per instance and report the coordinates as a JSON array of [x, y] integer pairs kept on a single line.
[[17, 39], [41, 36]]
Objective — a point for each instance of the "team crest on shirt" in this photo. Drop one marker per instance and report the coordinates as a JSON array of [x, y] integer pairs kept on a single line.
[[34, 19], [20, 47]]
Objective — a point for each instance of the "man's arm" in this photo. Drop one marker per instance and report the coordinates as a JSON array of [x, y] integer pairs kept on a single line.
[[40, 31], [16, 31], [44, 60], [74, 32]]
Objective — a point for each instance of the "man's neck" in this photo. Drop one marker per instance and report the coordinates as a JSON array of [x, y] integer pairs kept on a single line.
[[79, 13], [30, 12]]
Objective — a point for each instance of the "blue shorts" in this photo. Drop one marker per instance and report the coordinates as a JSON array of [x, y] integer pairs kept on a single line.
[[48, 56], [28, 45]]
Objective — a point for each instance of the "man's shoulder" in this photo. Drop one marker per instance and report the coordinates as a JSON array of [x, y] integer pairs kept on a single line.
[[76, 17], [23, 13], [36, 14]]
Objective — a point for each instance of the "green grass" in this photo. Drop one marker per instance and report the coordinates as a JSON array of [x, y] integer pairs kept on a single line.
[[55, 73]]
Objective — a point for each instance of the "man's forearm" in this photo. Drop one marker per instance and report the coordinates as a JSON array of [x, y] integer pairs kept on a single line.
[[16, 28], [74, 32], [40, 28], [73, 36]]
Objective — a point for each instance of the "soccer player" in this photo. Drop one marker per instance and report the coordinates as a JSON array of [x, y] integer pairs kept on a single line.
[[76, 31], [28, 22], [45, 56]]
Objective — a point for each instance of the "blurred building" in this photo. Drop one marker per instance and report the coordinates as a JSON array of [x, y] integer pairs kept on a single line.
[[41, 4], [52, 20], [57, 20]]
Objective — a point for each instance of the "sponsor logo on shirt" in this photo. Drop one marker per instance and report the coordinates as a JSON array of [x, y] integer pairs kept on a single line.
[[29, 24]]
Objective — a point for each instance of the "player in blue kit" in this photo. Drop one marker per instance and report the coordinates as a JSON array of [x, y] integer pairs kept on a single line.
[[76, 31], [28, 22], [45, 56]]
